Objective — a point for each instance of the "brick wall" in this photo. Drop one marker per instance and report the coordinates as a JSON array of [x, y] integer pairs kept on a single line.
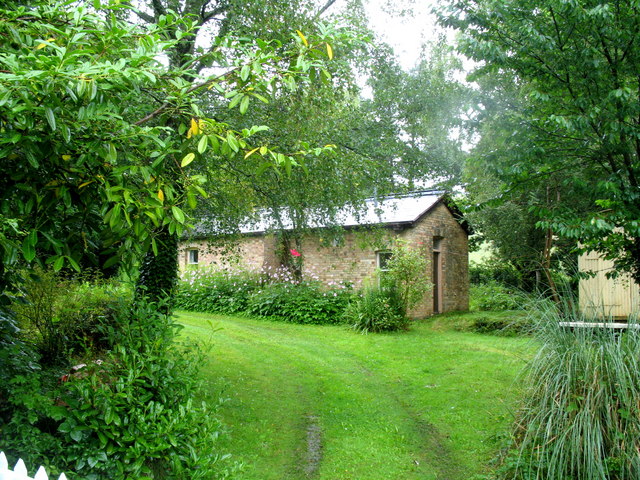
[[354, 258]]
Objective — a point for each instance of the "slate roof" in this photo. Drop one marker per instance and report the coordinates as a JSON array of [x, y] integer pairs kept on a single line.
[[393, 210], [397, 210]]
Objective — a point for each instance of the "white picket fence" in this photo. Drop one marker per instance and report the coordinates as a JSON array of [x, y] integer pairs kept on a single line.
[[20, 472]]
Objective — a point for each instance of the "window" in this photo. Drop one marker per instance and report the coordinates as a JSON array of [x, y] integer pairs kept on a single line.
[[383, 260], [192, 256]]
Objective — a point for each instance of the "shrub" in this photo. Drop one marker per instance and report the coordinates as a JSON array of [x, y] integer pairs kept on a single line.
[[500, 325], [87, 310], [376, 310], [495, 271], [36, 313], [304, 302], [405, 275], [580, 416], [60, 316], [131, 416], [216, 291], [272, 293], [493, 296]]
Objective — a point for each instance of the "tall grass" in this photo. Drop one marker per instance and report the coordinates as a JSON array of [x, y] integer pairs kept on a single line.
[[581, 413]]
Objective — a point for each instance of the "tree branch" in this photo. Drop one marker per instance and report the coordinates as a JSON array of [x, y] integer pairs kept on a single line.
[[324, 8]]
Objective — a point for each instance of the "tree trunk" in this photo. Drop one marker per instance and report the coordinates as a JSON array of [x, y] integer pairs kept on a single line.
[[159, 273]]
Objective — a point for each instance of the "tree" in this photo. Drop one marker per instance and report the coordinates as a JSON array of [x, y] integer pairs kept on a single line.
[[384, 143], [502, 211], [86, 145], [575, 65], [215, 23]]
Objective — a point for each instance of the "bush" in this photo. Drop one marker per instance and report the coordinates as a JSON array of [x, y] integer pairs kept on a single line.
[[500, 325], [406, 276], [36, 313], [496, 297], [87, 310], [377, 310], [269, 293], [60, 316], [580, 416], [216, 291], [305, 302], [495, 271], [133, 415]]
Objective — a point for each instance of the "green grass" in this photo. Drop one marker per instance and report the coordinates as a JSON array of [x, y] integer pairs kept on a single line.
[[325, 402]]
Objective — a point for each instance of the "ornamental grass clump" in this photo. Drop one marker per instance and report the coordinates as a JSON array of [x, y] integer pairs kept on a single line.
[[581, 412]]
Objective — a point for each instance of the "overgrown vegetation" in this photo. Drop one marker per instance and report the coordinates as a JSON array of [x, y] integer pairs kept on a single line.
[[580, 415], [127, 411], [493, 296], [382, 305], [385, 304], [377, 309], [270, 293], [61, 317]]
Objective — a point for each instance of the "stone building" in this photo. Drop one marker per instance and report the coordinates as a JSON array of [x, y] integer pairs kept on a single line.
[[424, 220]]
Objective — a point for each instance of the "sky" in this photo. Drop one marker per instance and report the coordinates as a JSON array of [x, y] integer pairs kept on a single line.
[[405, 34]]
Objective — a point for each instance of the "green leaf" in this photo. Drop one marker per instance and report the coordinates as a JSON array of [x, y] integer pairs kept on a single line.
[[262, 98], [76, 435], [244, 104], [58, 264], [236, 100], [188, 158], [245, 72], [50, 118], [202, 144], [112, 154], [233, 142], [111, 261], [73, 263], [29, 246], [177, 214], [191, 200]]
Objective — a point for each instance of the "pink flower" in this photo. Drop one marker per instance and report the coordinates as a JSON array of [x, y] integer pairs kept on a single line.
[[294, 252]]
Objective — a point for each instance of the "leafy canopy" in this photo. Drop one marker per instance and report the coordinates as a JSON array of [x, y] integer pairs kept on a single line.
[[86, 145], [575, 65]]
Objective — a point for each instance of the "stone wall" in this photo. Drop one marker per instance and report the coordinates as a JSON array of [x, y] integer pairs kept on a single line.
[[354, 257]]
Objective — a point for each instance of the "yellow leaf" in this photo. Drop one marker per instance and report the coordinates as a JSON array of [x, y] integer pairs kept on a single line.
[[193, 129], [66, 157], [252, 152], [82, 185], [329, 52], [161, 195], [303, 38], [42, 45]]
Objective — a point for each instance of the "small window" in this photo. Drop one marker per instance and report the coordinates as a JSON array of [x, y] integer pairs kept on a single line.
[[192, 256], [383, 260]]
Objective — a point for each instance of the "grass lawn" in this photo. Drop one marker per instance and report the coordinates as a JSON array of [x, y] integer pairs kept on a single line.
[[324, 402]]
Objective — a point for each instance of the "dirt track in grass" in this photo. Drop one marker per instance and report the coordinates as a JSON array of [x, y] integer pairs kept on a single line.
[[325, 403]]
